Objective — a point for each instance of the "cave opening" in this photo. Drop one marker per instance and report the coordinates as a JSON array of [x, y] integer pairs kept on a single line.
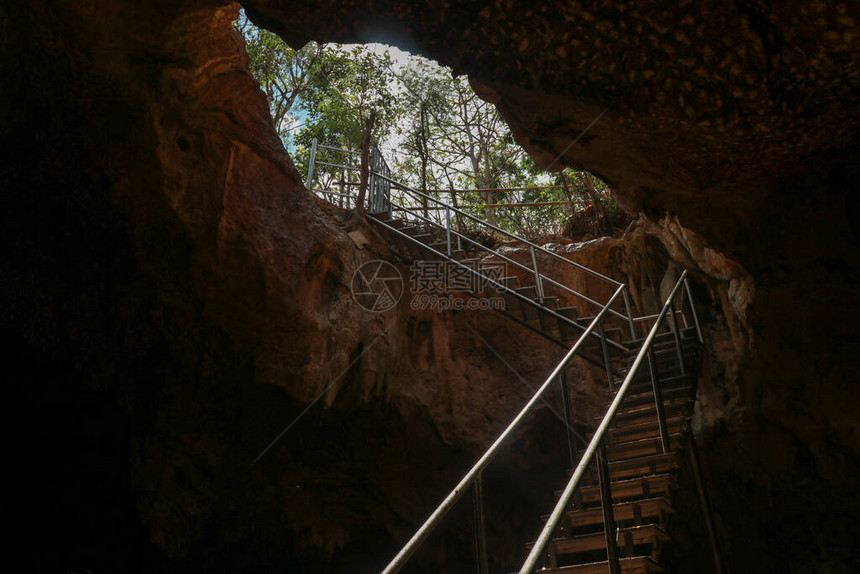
[[433, 132]]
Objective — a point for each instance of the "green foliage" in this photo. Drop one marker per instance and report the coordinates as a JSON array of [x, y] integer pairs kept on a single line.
[[328, 90], [358, 80], [440, 136]]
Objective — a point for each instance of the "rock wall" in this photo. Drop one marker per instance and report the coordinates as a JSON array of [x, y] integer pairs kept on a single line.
[[173, 297], [187, 299]]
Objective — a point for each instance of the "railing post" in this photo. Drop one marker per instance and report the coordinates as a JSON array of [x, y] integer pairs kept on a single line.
[[373, 196], [608, 514], [629, 314], [448, 228], [480, 531], [538, 282], [693, 309], [311, 164], [678, 347], [658, 401], [568, 418], [606, 360], [388, 192], [543, 539]]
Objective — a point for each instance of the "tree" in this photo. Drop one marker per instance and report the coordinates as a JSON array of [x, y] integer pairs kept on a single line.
[[425, 89], [446, 137], [338, 108], [285, 75], [475, 144], [365, 161], [334, 90]]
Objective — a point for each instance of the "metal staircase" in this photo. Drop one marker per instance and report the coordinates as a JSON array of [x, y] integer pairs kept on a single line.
[[615, 514], [642, 477]]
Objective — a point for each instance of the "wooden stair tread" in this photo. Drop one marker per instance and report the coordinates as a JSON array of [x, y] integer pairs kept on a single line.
[[628, 433], [633, 565], [641, 383], [633, 399], [659, 485], [647, 413], [395, 223], [639, 466], [646, 508], [644, 534], [569, 312], [688, 334], [642, 447]]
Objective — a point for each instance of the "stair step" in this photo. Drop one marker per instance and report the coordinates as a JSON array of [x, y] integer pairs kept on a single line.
[[395, 223], [633, 400], [670, 351], [511, 282], [636, 467], [669, 360], [408, 248], [411, 230], [571, 313], [643, 465], [529, 291], [650, 429], [467, 252], [687, 335], [642, 447], [668, 354], [568, 332], [668, 383], [671, 397], [548, 322], [666, 360], [529, 312], [639, 535], [669, 378], [632, 511], [659, 485], [648, 412], [409, 243], [549, 301], [634, 565], [614, 334]]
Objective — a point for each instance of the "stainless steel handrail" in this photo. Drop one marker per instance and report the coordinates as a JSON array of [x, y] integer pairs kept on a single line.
[[539, 277], [473, 477], [347, 151], [502, 231], [560, 507], [477, 244], [409, 549], [504, 288]]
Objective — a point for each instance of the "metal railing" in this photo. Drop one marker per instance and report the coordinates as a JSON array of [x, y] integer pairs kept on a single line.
[[379, 190], [474, 474], [411, 203], [472, 479], [455, 239], [597, 444], [600, 335]]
